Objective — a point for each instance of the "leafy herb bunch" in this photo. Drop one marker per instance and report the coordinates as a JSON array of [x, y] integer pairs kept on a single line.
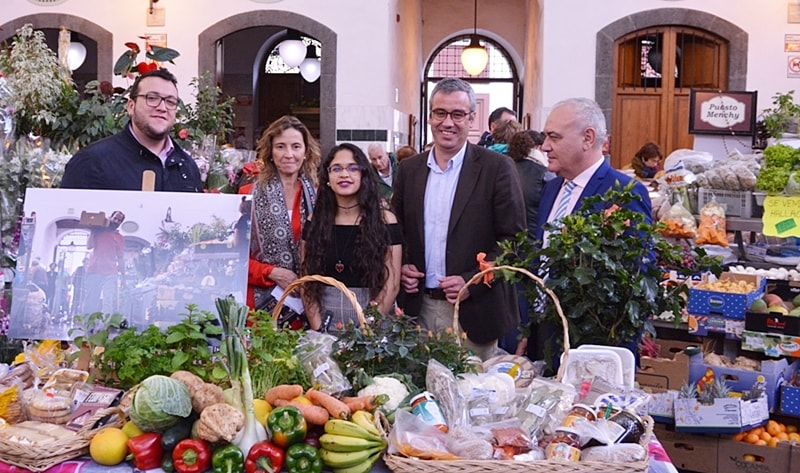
[[606, 264], [123, 356], [270, 354], [394, 343]]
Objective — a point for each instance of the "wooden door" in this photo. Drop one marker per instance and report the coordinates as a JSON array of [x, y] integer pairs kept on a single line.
[[654, 70], [480, 121]]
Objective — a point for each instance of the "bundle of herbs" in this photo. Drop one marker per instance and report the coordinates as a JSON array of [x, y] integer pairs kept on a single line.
[[270, 355], [395, 344]]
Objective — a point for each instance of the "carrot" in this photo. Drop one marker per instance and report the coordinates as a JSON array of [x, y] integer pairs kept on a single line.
[[335, 407], [365, 403], [315, 415], [283, 391]]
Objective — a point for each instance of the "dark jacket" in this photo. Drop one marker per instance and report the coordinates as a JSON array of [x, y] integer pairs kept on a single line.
[[532, 178], [117, 163], [488, 207], [384, 188]]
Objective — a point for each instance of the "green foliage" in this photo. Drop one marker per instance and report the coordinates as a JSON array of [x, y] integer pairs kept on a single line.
[[778, 118], [85, 119], [211, 114], [779, 162], [129, 356], [394, 343], [605, 264], [270, 355]]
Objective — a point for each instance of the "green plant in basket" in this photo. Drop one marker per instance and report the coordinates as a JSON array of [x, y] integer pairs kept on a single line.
[[606, 263], [394, 343]]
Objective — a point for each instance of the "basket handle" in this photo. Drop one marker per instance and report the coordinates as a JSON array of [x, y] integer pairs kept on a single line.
[[479, 276], [89, 429], [323, 279]]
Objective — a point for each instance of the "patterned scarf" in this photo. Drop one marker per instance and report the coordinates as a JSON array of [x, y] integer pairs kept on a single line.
[[272, 226]]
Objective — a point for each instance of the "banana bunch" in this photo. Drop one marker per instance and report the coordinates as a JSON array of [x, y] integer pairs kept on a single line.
[[351, 446]]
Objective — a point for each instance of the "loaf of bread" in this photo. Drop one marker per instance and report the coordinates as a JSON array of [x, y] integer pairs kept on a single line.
[[35, 434], [48, 408]]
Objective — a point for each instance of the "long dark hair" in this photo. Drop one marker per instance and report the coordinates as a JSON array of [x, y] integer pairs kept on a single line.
[[372, 237]]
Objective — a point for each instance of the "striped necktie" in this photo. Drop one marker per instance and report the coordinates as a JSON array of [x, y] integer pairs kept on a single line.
[[563, 204]]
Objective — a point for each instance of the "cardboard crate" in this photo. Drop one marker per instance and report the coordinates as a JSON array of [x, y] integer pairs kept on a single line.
[[771, 344], [790, 402], [772, 322], [730, 305], [701, 325], [93, 219], [786, 289], [669, 371], [733, 457], [725, 416], [735, 203], [774, 372], [693, 452]]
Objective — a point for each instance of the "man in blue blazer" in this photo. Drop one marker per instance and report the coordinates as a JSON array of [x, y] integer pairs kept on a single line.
[[574, 135], [454, 202]]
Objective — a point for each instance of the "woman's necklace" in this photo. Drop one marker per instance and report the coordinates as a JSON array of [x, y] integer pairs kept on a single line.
[[339, 266]]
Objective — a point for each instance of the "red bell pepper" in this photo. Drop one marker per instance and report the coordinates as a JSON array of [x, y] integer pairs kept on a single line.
[[264, 457], [146, 450], [191, 456]]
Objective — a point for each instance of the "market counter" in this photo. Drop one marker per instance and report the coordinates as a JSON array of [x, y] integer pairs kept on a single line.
[[659, 463]]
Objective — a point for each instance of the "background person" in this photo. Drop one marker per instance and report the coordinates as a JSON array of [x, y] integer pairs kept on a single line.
[[502, 134], [647, 160], [497, 116], [454, 202], [404, 152], [283, 198], [106, 265], [348, 236], [385, 166], [117, 162]]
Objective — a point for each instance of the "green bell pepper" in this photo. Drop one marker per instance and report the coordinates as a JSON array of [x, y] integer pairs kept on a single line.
[[303, 458], [287, 425], [228, 459]]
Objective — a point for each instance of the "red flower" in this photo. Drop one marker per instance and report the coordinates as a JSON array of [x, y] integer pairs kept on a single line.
[[483, 265], [183, 134]]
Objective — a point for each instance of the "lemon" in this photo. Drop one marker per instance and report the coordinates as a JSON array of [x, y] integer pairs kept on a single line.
[[262, 410], [131, 429], [303, 400], [109, 447]]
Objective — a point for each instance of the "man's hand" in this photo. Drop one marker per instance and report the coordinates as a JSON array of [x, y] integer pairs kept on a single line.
[[409, 278], [451, 285], [282, 277]]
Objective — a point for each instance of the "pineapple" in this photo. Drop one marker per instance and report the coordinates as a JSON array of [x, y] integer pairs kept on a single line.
[[688, 391], [720, 389]]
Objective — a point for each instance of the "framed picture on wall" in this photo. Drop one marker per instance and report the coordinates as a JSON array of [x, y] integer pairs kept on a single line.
[[720, 112]]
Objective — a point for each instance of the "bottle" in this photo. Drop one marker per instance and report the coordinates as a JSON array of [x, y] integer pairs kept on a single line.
[[578, 413], [565, 445], [429, 410]]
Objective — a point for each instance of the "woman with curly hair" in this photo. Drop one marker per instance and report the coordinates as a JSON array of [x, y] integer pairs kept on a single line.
[[283, 198], [351, 238], [646, 161]]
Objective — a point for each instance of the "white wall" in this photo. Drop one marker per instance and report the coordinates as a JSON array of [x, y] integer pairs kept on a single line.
[[570, 38]]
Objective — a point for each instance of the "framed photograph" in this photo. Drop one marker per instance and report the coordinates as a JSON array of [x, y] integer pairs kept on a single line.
[[144, 255], [720, 112]]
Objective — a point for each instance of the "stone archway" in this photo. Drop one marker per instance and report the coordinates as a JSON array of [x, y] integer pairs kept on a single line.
[[207, 55], [604, 53], [103, 37]]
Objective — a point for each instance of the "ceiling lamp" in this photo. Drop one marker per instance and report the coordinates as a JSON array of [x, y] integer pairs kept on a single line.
[[292, 49], [474, 57], [76, 54], [310, 67]]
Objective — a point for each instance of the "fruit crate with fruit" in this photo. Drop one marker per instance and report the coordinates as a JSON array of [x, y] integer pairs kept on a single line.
[[730, 296], [790, 397]]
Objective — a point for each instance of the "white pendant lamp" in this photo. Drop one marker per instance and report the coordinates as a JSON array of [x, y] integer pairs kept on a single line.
[[474, 57], [310, 67], [76, 54], [292, 49]]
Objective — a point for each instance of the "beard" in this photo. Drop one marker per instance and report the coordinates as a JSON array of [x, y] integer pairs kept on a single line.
[[141, 123], [113, 225]]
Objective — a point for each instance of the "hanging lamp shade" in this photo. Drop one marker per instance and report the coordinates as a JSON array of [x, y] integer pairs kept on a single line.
[[474, 57], [310, 67], [292, 49], [76, 54]]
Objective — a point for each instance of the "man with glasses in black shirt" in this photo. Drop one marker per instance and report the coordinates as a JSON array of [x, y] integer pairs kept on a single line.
[[119, 161]]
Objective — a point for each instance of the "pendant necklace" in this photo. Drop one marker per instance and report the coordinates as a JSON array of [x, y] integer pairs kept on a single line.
[[339, 266]]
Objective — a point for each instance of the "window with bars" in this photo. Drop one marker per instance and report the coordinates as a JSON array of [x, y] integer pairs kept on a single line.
[[447, 61]]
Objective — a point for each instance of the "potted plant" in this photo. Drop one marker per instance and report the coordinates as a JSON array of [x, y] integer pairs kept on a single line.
[[783, 116], [606, 264]]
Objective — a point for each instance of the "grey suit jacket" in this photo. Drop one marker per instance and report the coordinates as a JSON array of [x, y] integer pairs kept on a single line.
[[488, 207]]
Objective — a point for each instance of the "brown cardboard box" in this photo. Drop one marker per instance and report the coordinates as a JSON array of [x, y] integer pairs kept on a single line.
[[93, 219], [734, 457], [669, 371], [693, 452]]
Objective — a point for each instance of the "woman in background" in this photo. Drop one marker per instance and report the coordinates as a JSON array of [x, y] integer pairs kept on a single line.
[[347, 238], [647, 160], [283, 198]]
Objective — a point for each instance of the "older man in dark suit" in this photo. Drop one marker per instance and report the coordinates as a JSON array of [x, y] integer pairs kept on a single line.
[[454, 202]]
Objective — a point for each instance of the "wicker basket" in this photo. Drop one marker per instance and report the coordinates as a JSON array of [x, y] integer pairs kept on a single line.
[[42, 458], [325, 280], [401, 464]]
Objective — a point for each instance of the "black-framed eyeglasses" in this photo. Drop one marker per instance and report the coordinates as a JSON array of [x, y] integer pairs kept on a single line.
[[350, 168], [154, 100], [458, 116]]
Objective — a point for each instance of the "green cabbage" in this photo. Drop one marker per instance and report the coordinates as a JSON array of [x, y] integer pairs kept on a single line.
[[159, 403]]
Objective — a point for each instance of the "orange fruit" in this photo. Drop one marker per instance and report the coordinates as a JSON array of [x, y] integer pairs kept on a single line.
[[790, 429], [765, 436], [773, 442], [761, 443], [782, 436], [773, 428], [794, 437], [758, 430], [739, 437], [752, 437], [782, 426]]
